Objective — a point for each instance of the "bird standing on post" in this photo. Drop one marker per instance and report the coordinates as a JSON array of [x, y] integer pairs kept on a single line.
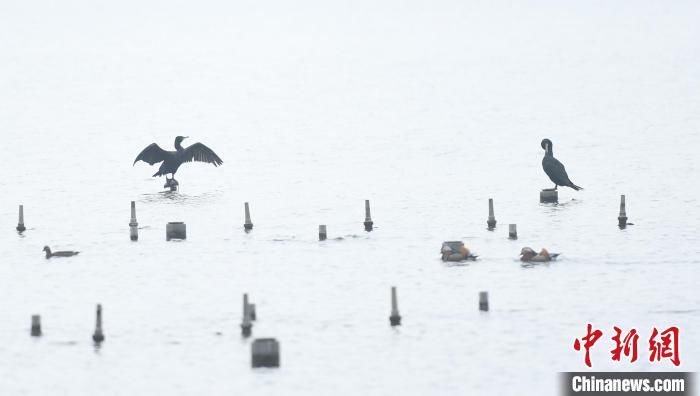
[[555, 169], [171, 160]]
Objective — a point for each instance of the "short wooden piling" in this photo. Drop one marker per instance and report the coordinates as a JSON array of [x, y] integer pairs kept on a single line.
[[36, 326], [248, 224], [622, 218], [395, 318], [484, 301], [246, 325], [512, 231], [176, 230], [322, 234], [98, 336], [133, 224], [491, 222], [245, 303], [265, 353], [20, 223], [171, 184], [549, 196], [253, 314], [369, 224]]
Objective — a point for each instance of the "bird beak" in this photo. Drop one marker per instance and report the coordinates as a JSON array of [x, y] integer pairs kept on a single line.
[[185, 137]]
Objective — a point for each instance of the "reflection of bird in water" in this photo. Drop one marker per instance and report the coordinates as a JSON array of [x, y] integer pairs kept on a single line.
[[50, 254], [555, 169], [528, 254], [171, 160]]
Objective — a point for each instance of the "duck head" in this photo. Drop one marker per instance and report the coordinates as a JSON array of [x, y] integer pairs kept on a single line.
[[527, 253]]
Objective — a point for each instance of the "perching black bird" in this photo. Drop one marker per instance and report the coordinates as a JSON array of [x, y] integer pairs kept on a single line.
[[50, 254], [555, 169], [173, 159]]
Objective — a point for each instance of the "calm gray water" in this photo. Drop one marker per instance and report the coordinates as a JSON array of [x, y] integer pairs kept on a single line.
[[427, 109]]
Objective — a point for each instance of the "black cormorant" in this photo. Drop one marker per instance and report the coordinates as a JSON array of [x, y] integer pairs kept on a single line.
[[173, 159], [555, 169], [50, 254]]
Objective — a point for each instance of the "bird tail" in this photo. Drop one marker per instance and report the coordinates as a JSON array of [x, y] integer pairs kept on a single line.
[[575, 187]]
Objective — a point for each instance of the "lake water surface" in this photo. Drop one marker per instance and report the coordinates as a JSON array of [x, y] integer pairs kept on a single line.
[[426, 109]]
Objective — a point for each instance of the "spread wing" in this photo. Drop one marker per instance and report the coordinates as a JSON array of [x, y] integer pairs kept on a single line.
[[201, 153], [152, 154]]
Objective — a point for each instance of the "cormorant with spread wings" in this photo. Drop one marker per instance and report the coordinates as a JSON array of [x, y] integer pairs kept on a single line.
[[171, 160]]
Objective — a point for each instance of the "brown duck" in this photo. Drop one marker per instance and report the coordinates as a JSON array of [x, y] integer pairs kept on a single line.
[[528, 254]]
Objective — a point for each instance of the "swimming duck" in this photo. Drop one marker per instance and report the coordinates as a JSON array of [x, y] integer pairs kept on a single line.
[[456, 251], [50, 254], [528, 254]]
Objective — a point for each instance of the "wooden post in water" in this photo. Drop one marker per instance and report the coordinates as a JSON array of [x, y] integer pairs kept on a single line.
[[36, 326], [133, 224], [395, 318], [622, 218], [248, 224], [322, 234], [176, 230], [491, 222], [20, 223], [512, 231], [484, 301], [369, 224], [246, 326], [98, 336], [171, 184], [265, 353], [253, 315], [549, 196]]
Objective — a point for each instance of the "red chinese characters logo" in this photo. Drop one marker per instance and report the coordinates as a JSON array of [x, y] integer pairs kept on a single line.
[[667, 348], [626, 346], [588, 341], [662, 345]]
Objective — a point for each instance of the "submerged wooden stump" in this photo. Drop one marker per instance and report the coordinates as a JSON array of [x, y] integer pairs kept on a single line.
[[176, 230], [549, 196], [265, 353]]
